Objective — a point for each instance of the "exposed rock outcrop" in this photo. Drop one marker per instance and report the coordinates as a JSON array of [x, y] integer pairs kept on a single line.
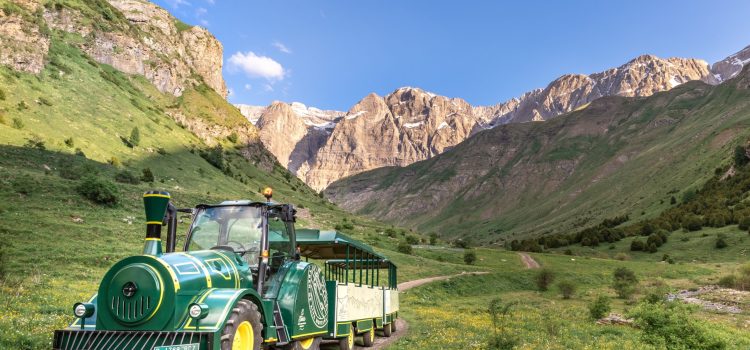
[[731, 66], [23, 46], [137, 37]]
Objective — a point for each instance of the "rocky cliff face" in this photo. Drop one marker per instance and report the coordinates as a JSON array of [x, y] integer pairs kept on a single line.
[[731, 66], [406, 126], [134, 36], [642, 76]]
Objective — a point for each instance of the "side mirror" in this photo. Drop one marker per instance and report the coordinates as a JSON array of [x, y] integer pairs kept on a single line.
[[288, 213]]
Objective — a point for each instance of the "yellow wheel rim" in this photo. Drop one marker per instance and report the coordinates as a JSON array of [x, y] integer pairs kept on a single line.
[[307, 343], [243, 337], [372, 333], [350, 338]]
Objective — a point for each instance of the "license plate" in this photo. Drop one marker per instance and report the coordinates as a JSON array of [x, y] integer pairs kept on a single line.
[[179, 347]]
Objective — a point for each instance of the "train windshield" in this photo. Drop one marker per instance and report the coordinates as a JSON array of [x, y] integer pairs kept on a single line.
[[235, 228]]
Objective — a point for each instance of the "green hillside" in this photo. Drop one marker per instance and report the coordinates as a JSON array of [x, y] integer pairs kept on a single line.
[[616, 157]]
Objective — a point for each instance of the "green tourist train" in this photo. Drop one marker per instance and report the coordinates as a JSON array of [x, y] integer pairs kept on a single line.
[[245, 279]]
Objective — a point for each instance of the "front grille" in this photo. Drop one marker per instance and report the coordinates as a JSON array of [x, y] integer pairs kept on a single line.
[[127, 340], [131, 310]]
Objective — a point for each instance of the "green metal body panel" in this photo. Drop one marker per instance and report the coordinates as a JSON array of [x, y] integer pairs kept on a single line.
[[302, 298]]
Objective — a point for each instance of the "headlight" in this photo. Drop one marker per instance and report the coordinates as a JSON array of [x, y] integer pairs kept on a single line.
[[198, 311], [82, 310]]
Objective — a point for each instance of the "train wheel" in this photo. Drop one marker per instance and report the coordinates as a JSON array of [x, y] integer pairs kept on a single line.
[[347, 343], [393, 326], [368, 338], [306, 344], [387, 330], [243, 329]]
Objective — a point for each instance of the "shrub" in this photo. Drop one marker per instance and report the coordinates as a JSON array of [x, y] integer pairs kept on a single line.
[[161, 150], [600, 307], [672, 326], [115, 162], [390, 232], [135, 136], [568, 252], [728, 281], [35, 142], [740, 156], [652, 248], [692, 223], [232, 137], [637, 245], [412, 239], [433, 238], [147, 175], [69, 142], [462, 243], [98, 190], [624, 282], [673, 200], [18, 123], [470, 257], [720, 243], [544, 279], [215, 157], [744, 223], [127, 177], [2, 95], [404, 247], [567, 289], [499, 314]]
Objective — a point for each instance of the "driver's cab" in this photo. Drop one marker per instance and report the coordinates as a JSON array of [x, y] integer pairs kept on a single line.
[[260, 234]]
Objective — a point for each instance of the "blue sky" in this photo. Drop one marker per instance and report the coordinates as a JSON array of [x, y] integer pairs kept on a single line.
[[330, 54]]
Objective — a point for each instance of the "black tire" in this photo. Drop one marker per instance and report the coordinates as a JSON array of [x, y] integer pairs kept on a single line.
[[243, 311], [393, 326], [387, 330], [302, 344], [368, 338], [347, 343]]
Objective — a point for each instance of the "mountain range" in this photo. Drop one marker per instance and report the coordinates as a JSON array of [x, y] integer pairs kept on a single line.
[[410, 124]]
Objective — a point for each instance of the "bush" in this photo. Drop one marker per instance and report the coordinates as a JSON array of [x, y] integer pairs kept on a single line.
[[728, 281], [44, 101], [127, 177], [433, 238], [637, 245], [18, 123], [567, 289], [2, 95], [135, 136], [215, 157], [744, 223], [390, 232], [624, 282], [470, 257], [740, 156], [721, 243], [72, 171], [98, 190], [692, 223], [672, 326], [600, 307], [568, 252], [462, 243], [115, 162], [544, 279], [412, 239], [652, 248], [69, 142], [232, 137], [147, 175], [404, 248]]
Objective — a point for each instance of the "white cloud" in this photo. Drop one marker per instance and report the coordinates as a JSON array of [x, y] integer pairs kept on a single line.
[[204, 23], [248, 87], [257, 66], [268, 87], [201, 11], [177, 3], [211, 2], [281, 47]]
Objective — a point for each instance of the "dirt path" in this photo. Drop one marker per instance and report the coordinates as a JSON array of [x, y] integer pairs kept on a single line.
[[528, 261], [416, 283], [383, 342]]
